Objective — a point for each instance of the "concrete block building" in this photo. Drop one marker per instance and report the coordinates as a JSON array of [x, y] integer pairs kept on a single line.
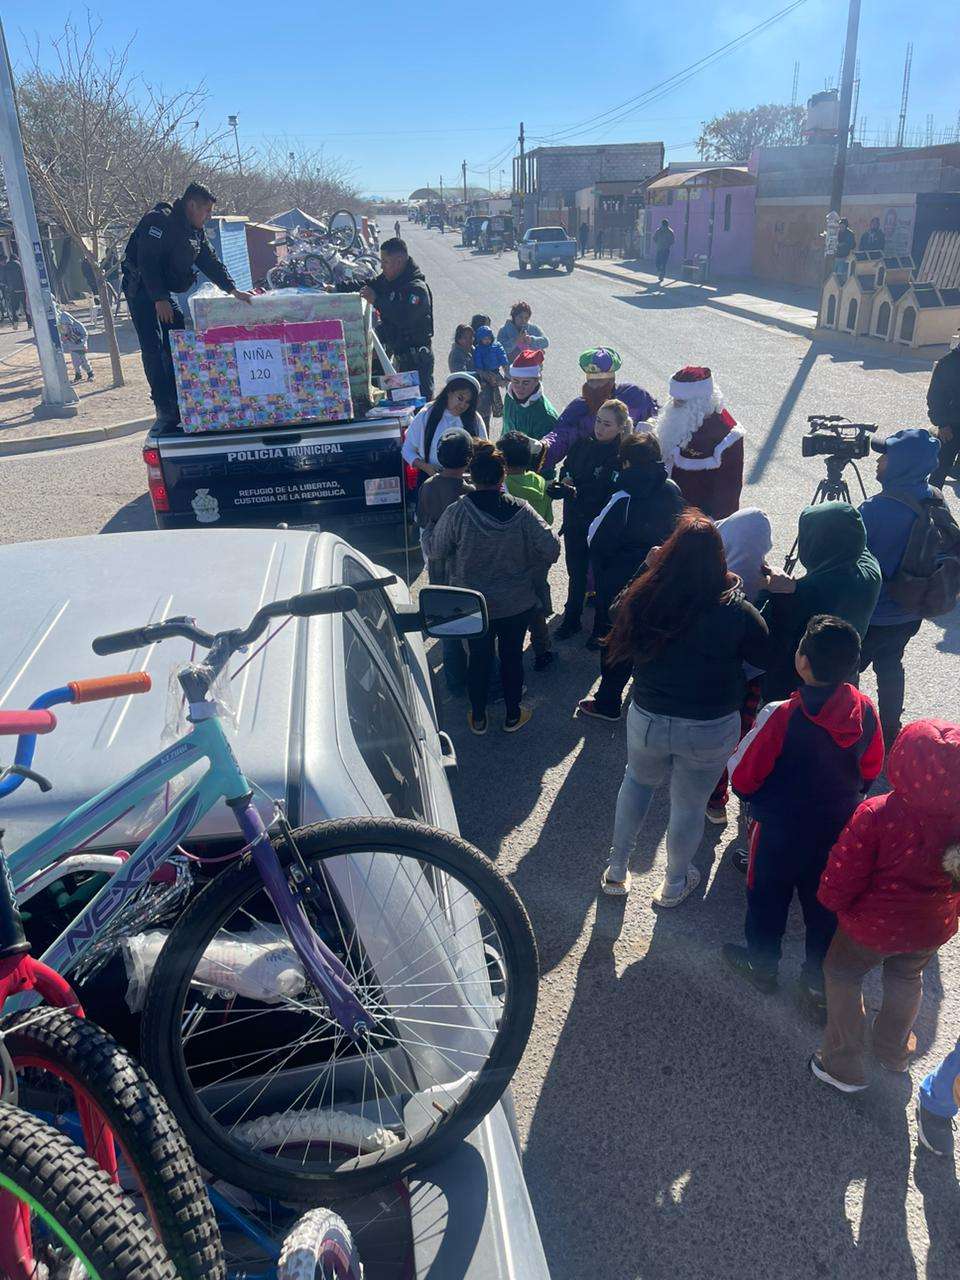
[[551, 177]]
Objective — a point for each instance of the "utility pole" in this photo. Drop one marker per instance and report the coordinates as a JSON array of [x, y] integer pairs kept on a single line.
[[441, 191], [796, 82], [904, 96], [523, 163], [463, 166], [59, 398], [846, 97]]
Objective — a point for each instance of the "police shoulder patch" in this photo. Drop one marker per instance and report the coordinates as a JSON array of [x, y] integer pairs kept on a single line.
[[156, 231]]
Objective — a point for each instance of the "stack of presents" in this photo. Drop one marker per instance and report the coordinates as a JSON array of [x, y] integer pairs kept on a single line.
[[288, 357]]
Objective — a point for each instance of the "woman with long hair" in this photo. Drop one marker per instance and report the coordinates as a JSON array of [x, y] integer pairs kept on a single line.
[[687, 628], [455, 406]]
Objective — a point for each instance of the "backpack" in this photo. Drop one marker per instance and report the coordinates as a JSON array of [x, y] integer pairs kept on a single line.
[[928, 580]]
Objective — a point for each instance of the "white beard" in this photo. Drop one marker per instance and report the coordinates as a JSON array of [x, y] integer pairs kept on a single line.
[[677, 424]]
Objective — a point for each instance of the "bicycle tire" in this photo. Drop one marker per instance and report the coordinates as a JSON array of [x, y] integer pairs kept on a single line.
[[84, 1056], [76, 1201], [319, 1247], [318, 267], [277, 278], [224, 896], [346, 236]]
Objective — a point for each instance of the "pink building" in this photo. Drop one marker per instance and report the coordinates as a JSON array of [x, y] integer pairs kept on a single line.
[[711, 211]]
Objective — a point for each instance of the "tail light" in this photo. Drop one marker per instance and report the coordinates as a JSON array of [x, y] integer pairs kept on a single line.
[[155, 483], [411, 476]]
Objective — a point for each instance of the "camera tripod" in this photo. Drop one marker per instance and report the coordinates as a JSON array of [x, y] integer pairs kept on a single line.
[[832, 488]]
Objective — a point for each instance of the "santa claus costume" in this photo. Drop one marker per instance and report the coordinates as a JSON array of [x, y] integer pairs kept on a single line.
[[701, 444]]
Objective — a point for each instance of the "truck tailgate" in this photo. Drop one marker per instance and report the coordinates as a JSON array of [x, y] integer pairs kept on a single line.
[[305, 475]]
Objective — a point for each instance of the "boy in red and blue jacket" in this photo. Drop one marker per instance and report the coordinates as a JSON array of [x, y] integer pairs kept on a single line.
[[804, 768]]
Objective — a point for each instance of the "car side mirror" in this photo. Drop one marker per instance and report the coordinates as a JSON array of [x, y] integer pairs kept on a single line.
[[452, 611]]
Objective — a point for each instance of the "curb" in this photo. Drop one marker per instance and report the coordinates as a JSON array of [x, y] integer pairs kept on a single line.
[[743, 313], [67, 439]]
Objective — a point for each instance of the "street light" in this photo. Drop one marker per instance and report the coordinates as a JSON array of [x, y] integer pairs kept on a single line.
[[232, 124]]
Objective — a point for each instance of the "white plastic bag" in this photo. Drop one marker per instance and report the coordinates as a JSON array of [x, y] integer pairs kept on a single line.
[[260, 964]]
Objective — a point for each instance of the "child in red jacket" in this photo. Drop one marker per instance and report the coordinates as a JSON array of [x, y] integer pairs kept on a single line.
[[892, 881]]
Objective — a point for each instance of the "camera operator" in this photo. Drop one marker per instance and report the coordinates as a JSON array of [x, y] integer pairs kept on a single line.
[[943, 410], [906, 460], [842, 579]]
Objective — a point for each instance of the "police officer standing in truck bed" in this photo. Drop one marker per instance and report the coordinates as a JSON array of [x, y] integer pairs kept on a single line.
[[166, 245]]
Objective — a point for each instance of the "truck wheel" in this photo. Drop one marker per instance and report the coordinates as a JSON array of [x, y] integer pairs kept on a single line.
[[570, 268], [521, 264]]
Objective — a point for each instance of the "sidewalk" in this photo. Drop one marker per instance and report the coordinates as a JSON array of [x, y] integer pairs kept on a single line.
[[787, 307], [103, 411]]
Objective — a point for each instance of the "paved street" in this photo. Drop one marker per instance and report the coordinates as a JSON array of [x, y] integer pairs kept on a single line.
[[670, 1127]]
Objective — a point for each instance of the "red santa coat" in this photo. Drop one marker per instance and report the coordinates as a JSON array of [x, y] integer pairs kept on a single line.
[[709, 470], [885, 877]]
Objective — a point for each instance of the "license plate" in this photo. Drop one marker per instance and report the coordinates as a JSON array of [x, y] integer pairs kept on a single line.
[[382, 490]]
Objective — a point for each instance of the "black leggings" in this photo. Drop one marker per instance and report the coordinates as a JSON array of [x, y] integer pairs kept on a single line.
[[507, 634]]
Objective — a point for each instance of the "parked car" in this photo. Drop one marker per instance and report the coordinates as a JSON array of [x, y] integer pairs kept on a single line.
[[496, 232], [434, 222], [471, 229], [335, 715], [546, 247]]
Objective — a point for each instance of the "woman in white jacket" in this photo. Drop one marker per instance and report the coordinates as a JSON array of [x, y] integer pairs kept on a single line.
[[455, 406]]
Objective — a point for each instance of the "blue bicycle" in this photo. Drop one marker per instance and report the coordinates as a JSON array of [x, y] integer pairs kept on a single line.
[[341, 1002]]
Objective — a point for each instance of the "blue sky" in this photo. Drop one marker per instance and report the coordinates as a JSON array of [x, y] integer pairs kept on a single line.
[[404, 92]]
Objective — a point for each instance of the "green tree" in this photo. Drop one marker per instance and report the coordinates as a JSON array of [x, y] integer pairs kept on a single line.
[[734, 135]]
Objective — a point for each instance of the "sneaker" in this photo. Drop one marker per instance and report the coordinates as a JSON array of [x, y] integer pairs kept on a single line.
[[541, 661], [588, 707], [477, 725], [593, 644], [820, 1071], [90, 376], [511, 726], [77, 377], [935, 1132], [664, 899], [616, 888], [911, 1052], [737, 959], [717, 813], [566, 629]]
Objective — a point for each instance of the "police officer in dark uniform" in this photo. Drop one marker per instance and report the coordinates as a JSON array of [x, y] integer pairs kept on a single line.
[[403, 298], [166, 245]]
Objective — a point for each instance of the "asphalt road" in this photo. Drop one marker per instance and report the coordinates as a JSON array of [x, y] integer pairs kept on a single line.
[[670, 1127]]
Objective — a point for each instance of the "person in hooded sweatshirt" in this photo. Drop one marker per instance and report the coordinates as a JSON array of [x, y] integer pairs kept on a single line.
[[842, 578], [804, 767], [496, 544], [640, 515], [907, 459], [893, 880]]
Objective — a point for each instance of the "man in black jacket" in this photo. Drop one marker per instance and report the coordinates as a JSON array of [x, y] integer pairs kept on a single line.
[[943, 409], [161, 254], [402, 297]]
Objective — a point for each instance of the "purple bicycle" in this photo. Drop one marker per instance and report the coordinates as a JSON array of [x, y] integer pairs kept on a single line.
[[340, 1002]]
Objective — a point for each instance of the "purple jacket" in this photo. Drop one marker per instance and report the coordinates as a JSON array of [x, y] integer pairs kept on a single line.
[[576, 420]]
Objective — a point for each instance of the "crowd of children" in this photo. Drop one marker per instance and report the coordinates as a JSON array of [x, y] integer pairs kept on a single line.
[[650, 518]]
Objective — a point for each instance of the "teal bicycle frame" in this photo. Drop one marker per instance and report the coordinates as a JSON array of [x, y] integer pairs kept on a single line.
[[222, 780]]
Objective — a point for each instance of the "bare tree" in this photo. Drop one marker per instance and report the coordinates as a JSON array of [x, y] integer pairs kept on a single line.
[[102, 147]]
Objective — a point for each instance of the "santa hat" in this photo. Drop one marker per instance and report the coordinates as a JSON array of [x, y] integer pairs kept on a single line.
[[600, 364], [527, 364], [692, 383]]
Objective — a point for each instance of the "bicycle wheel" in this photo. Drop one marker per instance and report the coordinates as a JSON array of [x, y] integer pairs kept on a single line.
[[319, 1247], [343, 229], [319, 268], [277, 277], [78, 1223], [441, 953], [59, 1058]]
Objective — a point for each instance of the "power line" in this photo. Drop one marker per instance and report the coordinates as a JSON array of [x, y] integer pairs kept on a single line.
[[614, 115]]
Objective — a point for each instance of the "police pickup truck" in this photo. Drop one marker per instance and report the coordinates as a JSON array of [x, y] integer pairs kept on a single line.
[[321, 475]]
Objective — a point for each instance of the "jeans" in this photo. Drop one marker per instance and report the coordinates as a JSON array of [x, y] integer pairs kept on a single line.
[[507, 636], [80, 363], [698, 750], [844, 1042], [154, 339], [663, 257], [454, 663], [938, 1092], [883, 649]]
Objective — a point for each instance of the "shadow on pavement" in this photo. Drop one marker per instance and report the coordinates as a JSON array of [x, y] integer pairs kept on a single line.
[[779, 424], [136, 516], [936, 1180], [686, 1103]]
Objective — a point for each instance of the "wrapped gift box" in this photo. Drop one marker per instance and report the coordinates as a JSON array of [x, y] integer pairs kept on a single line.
[[305, 361], [210, 309]]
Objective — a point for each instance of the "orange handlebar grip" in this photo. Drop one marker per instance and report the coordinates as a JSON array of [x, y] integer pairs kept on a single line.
[[110, 686]]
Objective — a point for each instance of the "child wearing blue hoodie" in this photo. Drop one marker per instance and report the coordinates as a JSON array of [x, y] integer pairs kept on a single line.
[[491, 365], [907, 459]]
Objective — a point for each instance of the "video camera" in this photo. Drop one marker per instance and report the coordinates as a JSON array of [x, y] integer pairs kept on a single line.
[[836, 437]]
